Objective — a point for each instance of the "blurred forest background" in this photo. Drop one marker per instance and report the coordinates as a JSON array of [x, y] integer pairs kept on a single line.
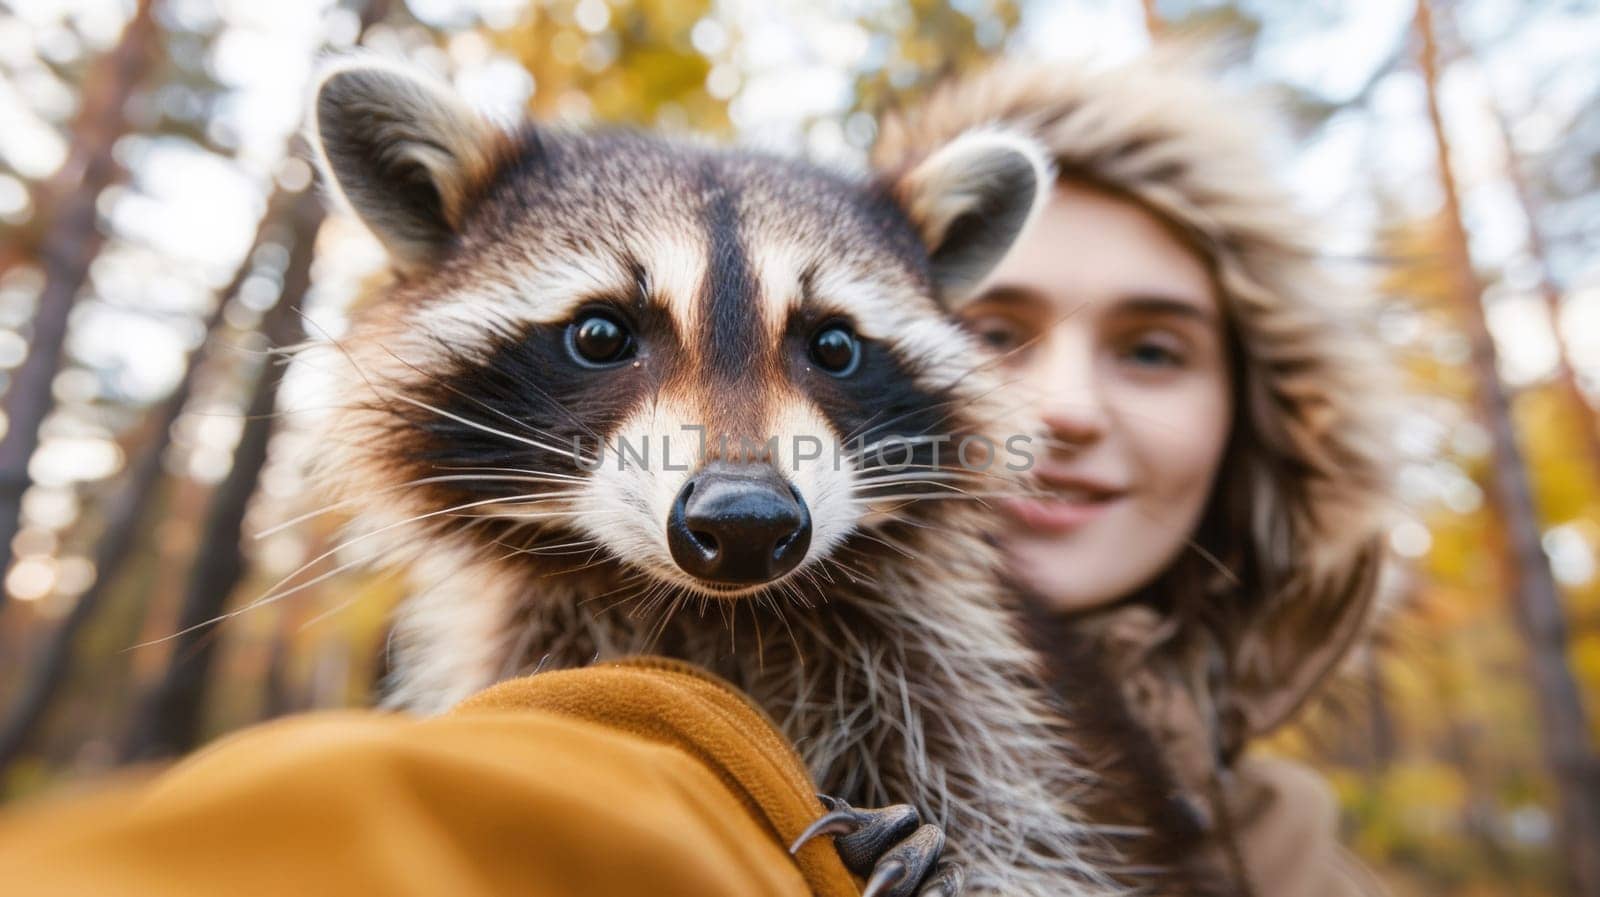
[[160, 236]]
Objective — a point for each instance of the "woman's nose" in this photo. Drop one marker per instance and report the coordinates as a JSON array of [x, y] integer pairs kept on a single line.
[[1074, 409]]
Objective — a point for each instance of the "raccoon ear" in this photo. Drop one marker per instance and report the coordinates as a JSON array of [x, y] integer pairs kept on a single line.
[[970, 200], [403, 151]]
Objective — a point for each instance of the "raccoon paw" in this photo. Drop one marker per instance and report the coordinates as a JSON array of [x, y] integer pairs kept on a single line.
[[897, 856]]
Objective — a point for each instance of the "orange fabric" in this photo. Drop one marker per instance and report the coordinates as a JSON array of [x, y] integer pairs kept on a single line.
[[646, 777]]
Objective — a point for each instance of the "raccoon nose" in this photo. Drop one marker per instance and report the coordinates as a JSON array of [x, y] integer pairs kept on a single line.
[[738, 524]]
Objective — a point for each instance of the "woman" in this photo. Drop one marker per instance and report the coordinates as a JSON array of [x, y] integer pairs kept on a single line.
[[1213, 488]]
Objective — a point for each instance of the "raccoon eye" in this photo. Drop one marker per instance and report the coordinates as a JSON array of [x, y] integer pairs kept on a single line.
[[836, 350], [598, 339]]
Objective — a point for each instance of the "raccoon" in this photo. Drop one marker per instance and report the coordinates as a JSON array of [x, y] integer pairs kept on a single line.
[[627, 395]]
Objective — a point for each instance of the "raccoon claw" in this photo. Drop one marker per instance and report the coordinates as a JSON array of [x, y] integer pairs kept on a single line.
[[888, 847], [946, 880]]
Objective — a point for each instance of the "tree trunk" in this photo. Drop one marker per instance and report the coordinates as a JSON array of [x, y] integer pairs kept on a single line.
[[1385, 735], [1536, 600], [123, 512], [169, 720], [1566, 377], [69, 241], [1153, 25]]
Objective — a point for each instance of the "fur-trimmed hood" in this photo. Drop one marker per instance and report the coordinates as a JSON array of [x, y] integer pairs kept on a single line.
[[1298, 508]]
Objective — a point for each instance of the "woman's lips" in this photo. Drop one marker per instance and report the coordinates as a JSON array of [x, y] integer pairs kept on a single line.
[[1071, 504]]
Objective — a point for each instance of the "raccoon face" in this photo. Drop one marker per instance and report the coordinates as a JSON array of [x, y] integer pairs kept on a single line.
[[607, 353]]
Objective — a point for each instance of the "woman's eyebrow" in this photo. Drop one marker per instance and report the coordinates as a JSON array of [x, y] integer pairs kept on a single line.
[[1154, 305], [1010, 294]]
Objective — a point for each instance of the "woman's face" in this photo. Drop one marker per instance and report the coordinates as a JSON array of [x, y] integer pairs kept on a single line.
[[1114, 333]]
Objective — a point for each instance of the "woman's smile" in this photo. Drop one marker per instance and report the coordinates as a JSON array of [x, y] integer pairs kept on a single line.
[[1064, 502]]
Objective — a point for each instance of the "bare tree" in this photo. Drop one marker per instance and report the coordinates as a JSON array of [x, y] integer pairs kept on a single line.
[[119, 534], [169, 719], [1153, 25], [1536, 599], [1566, 376], [69, 241]]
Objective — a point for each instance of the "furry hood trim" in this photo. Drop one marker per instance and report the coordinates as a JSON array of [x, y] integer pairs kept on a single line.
[[1306, 470]]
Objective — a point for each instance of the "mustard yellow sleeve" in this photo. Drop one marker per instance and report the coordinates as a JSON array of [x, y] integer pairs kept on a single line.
[[505, 796]]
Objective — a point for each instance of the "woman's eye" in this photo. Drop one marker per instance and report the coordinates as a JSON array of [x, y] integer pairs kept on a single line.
[[1001, 338], [997, 333], [1151, 353], [599, 339], [836, 350]]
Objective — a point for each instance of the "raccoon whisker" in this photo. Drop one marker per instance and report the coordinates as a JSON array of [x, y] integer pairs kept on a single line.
[[343, 605], [545, 496], [919, 524], [821, 569], [330, 508], [865, 425], [618, 603], [810, 576], [553, 475], [582, 547], [647, 601], [918, 438], [959, 495], [872, 538], [722, 611], [530, 629], [535, 497], [259, 602], [361, 372], [804, 599], [533, 386], [915, 470], [896, 543], [528, 515], [673, 598], [855, 574], [631, 596], [273, 595], [643, 601], [596, 558], [877, 491], [438, 381], [372, 533], [1003, 357], [888, 483], [964, 482], [892, 503], [526, 499], [495, 478], [627, 583], [391, 573], [566, 453], [957, 404]]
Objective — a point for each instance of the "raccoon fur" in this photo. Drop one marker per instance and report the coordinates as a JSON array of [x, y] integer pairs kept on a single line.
[[626, 395]]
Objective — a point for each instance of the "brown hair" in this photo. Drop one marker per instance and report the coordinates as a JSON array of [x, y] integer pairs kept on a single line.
[[1282, 576]]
